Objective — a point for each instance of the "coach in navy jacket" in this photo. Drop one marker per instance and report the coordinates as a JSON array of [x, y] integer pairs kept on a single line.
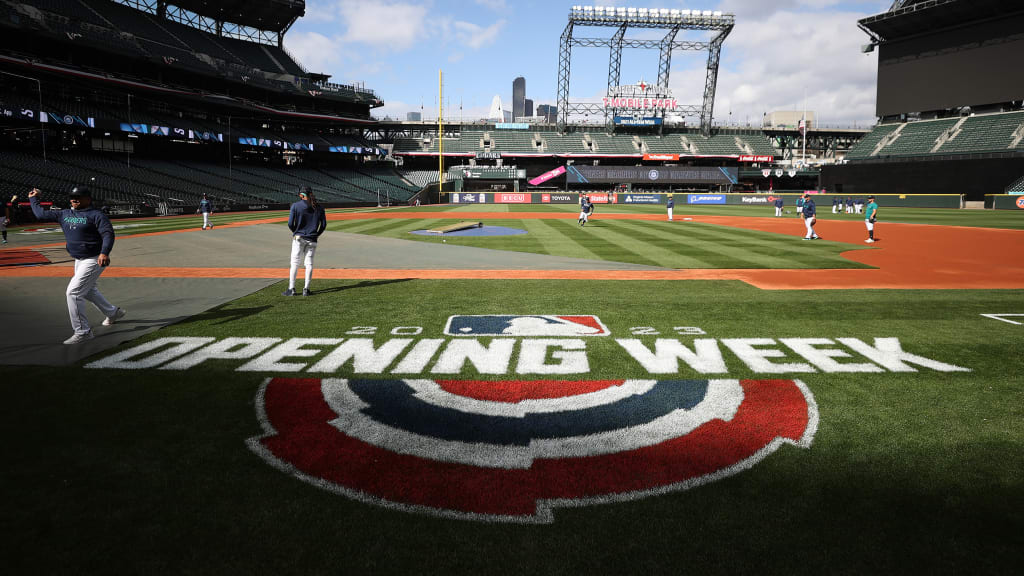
[[307, 221], [90, 238]]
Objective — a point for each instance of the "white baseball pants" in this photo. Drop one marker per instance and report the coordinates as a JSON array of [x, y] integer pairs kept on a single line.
[[83, 287], [810, 228], [302, 249], [206, 219], [670, 213]]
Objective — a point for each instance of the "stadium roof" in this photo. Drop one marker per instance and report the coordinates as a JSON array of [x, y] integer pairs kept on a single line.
[[911, 17], [271, 15]]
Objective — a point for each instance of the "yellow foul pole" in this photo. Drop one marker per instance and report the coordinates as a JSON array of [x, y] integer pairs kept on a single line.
[[440, 137]]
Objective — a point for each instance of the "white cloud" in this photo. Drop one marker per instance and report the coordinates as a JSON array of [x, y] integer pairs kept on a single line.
[[495, 5], [475, 36], [314, 50], [391, 26], [768, 64]]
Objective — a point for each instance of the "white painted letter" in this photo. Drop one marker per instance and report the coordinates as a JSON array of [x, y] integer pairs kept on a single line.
[[533, 354], [222, 351], [416, 360], [493, 360], [291, 349], [756, 359], [122, 360], [823, 358], [889, 353], [705, 359], [365, 358]]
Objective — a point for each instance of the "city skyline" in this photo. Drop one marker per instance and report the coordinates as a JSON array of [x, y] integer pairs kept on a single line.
[[777, 53]]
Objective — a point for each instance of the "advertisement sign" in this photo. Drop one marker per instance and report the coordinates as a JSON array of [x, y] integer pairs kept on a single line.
[[662, 157], [602, 198], [558, 198], [488, 155], [458, 198], [642, 199], [660, 174], [512, 126], [757, 158], [756, 199], [641, 103], [706, 199], [548, 176], [503, 198], [631, 121]]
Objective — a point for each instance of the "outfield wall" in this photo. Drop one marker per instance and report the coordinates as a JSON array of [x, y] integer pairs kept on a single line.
[[973, 178], [1005, 201], [697, 199]]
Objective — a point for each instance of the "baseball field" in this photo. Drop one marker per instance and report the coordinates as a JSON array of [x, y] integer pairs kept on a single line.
[[633, 396]]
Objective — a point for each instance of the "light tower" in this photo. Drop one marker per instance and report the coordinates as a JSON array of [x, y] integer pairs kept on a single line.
[[622, 19]]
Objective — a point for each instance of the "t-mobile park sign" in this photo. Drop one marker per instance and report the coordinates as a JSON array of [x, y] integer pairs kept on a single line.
[[640, 96]]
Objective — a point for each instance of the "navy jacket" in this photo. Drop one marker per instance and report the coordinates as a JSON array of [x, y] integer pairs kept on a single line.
[[671, 202], [88, 232], [778, 203], [307, 222], [809, 208], [205, 206]]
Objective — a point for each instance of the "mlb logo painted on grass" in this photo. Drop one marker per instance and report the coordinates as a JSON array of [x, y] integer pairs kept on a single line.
[[514, 450], [537, 325]]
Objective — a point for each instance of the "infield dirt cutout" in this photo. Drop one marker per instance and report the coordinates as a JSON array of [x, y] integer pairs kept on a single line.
[[907, 256]]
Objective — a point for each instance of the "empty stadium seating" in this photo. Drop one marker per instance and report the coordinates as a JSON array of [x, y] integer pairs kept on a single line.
[[988, 133]]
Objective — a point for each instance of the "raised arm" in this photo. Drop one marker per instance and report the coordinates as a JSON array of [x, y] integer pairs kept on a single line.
[[37, 210]]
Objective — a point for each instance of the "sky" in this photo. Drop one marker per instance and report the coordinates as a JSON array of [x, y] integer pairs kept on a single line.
[[780, 54]]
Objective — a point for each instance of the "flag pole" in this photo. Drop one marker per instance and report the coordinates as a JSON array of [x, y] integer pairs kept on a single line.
[[804, 153], [440, 137]]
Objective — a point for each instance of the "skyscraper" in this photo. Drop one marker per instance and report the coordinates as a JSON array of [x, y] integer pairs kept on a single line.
[[518, 98], [529, 108], [549, 112]]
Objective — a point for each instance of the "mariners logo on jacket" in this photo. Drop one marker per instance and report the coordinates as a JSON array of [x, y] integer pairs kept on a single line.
[[515, 450]]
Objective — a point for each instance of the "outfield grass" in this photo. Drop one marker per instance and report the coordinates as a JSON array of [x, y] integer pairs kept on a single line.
[[666, 244], [148, 470]]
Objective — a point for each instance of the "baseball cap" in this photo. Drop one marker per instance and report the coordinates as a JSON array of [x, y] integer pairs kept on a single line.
[[304, 190], [871, 197], [80, 191]]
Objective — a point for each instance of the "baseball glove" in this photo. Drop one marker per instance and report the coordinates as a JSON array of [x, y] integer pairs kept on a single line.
[[872, 220], [813, 220]]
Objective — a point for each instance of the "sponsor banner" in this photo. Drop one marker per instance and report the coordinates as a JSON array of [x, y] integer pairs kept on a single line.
[[488, 155], [512, 126], [643, 199], [602, 198], [1020, 203], [631, 121], [641, 103], [662, 157], [756, 199], [757, 158], [550, 174], [706, 199], [661, 174], [556, 198], [517, 198], [473, 198]]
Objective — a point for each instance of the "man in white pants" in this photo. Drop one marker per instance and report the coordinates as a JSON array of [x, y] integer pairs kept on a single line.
[[90, 238], [809, 213], [206, 207], [307, 221], [670, 204]]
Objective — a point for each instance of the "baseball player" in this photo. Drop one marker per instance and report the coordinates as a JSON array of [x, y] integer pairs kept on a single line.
[[778, 206], [809, 211], [586, 207], [858, 205], [870, 214], [5, 219], [307, 221], [670, 204], [800, 206], [90, 238], [206, 208], [835, 204], [849, 205]]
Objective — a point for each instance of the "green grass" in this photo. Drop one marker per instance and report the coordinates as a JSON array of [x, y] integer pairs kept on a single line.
[[671, 245], [148, 471], [1009, 219]]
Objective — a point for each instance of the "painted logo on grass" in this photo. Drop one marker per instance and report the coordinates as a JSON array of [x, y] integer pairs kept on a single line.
[[515, 450], [537, 325]]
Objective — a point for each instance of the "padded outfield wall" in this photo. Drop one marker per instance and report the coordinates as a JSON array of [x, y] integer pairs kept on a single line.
[[824, 201], [972, 178]]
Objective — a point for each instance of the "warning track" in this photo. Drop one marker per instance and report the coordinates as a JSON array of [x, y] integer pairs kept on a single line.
[[908, 256]]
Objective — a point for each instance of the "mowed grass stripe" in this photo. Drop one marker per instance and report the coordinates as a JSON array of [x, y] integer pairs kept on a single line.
[[791, 251], [603, 245], [556, 242], [736, 248], [684, 249]]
